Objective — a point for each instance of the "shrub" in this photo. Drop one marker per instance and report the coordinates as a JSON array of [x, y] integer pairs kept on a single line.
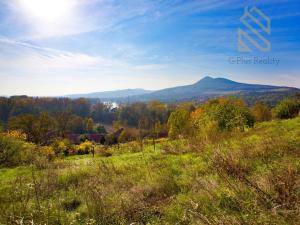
[[43, 156], [175, 147], [286, 109], [16, 134], [103, 151], [179, 123], [132, 146], [101, 129], [14, 152], [284, 183], [63, 146], [71, 205], [84, 148], [230, 164]]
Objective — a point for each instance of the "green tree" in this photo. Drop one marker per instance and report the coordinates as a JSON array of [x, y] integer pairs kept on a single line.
[[102, 112], [101, 129], [76, 125], [123, 137], [89, 125], [231, 115], [286, 109], [179, 123], [226, 113], [6, 106]]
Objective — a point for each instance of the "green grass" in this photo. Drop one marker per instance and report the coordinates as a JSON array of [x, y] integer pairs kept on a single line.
[[239, 180], [8, 174]]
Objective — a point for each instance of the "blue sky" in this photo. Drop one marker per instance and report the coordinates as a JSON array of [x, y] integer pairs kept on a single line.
[[57, 47]]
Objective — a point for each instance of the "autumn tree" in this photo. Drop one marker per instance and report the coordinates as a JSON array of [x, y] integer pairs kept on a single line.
[[261, 112], [81, 107], [44, 126], [63, 119], [117, 124], [189, 106], [25, 123], [23, 105], [157, 111], [38, 129], [76, 125], [102, 112]]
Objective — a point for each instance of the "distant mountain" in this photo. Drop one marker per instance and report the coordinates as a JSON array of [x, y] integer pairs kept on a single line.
[[202, 90], [209, 87], [112, 94]]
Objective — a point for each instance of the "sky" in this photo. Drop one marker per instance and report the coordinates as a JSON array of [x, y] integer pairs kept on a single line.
[[60, 47]]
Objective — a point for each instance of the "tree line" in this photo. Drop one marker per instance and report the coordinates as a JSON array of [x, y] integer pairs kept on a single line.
[[227, 114], [45, 119]]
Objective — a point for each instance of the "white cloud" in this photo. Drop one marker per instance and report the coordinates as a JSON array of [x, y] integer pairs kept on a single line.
[[29, 57]]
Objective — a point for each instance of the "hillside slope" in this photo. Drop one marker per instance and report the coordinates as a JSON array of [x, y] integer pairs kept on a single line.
[[248, 178]]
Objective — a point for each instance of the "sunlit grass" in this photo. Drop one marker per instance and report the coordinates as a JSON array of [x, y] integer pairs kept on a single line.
[[164, 187]]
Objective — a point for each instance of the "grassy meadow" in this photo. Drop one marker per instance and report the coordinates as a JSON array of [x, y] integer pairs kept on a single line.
[[149, 112], [250, 177]]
